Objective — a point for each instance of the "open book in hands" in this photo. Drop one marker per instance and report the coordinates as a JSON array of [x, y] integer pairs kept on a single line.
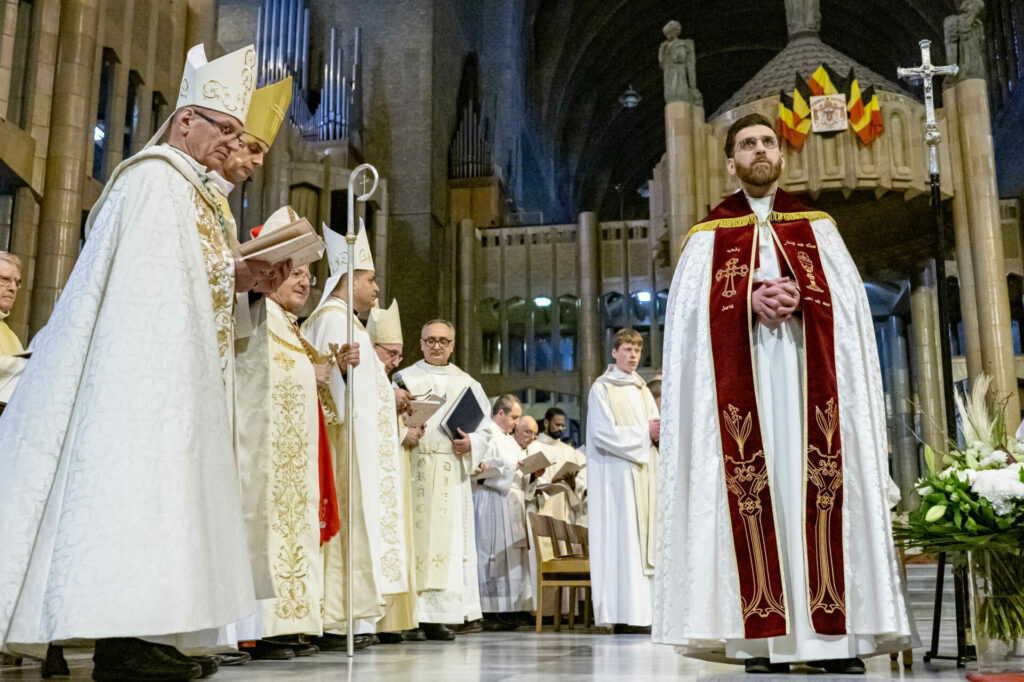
[[567, 469], [422, 409], [285, 235], [490, 472], [534, 463]]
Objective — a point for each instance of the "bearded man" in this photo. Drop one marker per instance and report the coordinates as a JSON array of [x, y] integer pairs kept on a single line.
[[773, 428]]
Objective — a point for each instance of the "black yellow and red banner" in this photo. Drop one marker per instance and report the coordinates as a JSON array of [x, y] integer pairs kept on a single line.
[[863, 111]]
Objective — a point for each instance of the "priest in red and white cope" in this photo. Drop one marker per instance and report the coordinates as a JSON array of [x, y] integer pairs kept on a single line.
[[773, 516]]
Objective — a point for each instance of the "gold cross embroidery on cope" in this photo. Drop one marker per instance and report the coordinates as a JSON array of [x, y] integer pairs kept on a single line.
[[729, 273]]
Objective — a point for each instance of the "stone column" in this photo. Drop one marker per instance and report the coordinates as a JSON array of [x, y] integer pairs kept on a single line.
[[9, 24], [930, 396], [119, 103], [992, 295], [201, 26], [905, 466], [682, 184], [591, 361], [962, 232], [60, 223], [467, 356]]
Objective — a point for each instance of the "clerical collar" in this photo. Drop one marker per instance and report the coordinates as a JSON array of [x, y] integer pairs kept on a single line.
[[617, 376], [436, 369], [761, 206]]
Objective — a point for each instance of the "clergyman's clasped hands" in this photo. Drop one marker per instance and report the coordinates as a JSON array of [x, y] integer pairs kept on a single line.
[[775, 300]]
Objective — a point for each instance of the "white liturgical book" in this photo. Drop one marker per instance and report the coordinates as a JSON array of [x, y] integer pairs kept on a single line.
[[534, 462], [423, 409], [297, 240], [567, 469]]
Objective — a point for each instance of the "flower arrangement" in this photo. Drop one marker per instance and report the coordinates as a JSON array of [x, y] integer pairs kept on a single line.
[[972, 502]]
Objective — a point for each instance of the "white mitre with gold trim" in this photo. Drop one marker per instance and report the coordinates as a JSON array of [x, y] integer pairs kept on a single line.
[[385, 325], [226, 84], [337, 256]]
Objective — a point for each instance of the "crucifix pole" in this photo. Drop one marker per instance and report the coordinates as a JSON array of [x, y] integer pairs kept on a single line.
[[926, 74], [365, 170]]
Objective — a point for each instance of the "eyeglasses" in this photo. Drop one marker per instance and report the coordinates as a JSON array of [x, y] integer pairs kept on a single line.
[[225, 129], [749, 144], [393, 355], [8, 281], [300, 274], [433, 342]]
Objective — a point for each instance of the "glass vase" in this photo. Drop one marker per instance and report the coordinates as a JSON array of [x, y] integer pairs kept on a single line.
[[997, 610]]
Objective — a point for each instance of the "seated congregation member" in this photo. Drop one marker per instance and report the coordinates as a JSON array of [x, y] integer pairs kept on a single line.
[[622, 427], [503, 563]]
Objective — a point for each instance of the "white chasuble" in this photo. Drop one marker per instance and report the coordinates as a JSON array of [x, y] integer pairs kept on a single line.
[[120, 472], [503, 563], [329, 325], [444, 528], [278, 461], [619, 458], [699, 608]]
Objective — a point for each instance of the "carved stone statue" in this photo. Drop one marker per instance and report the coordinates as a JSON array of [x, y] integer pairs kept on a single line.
[[965, 39], [803, 18], [678, 62]]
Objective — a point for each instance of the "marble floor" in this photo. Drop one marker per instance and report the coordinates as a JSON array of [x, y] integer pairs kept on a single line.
[[520, 655]]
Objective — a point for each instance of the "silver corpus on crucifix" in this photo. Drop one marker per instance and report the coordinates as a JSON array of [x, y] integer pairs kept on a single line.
[[925, 73], [363, 173]]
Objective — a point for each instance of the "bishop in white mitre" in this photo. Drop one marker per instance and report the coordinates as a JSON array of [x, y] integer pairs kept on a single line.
[[278, 456], [325, 328], [503, 562], [774, 515], [121, 471], [445, 532], [622, 427], [385, 330]]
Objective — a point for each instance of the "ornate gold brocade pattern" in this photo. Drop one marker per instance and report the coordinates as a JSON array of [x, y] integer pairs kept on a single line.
[[748, 478], [827, 476], [388, 487], [290, 497], [220, 272]]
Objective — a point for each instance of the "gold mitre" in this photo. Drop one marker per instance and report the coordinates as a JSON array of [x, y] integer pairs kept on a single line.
[[267, 110], [226, 84], [385, 326]]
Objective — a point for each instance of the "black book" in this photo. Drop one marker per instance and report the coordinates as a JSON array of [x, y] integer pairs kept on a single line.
[[465, 414]]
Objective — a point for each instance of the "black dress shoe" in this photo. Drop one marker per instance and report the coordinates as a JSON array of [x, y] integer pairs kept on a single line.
[[54, 663], [130, 659], [495, 624], [761, 666], [297, 643], [414, 635], [840, 666], [232, 658], [390, 637], [469, 627], [269, 651], [438, 632], [209, 664], [331, 643], [623, 629]]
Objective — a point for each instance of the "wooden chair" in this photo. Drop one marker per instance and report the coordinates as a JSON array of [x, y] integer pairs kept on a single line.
[[559, 565]]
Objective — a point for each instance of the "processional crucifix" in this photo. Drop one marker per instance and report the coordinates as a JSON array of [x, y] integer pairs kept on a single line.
[[926, 73]]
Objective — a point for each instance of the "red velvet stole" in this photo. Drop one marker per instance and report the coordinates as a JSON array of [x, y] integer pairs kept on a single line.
[[330, 521], [754, 528]]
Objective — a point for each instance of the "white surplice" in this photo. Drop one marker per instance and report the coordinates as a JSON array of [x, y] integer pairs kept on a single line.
[[503, 564], [619, 575], [444, 528], [698, 601], [120, 512]]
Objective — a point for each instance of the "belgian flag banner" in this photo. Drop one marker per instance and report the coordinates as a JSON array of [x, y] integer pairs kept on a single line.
[[862, 109]]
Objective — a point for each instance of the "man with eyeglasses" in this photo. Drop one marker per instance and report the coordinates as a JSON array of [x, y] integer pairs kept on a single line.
[[125, 507], [773, 429], [10, 345], [446, 585]]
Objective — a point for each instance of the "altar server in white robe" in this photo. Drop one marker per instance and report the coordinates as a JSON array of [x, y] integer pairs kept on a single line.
[[446, 573], [558, 452], [622, 426], [121, 471], [774, 517], [278, 457], [503, 563], [398, 558], [328, 325]]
